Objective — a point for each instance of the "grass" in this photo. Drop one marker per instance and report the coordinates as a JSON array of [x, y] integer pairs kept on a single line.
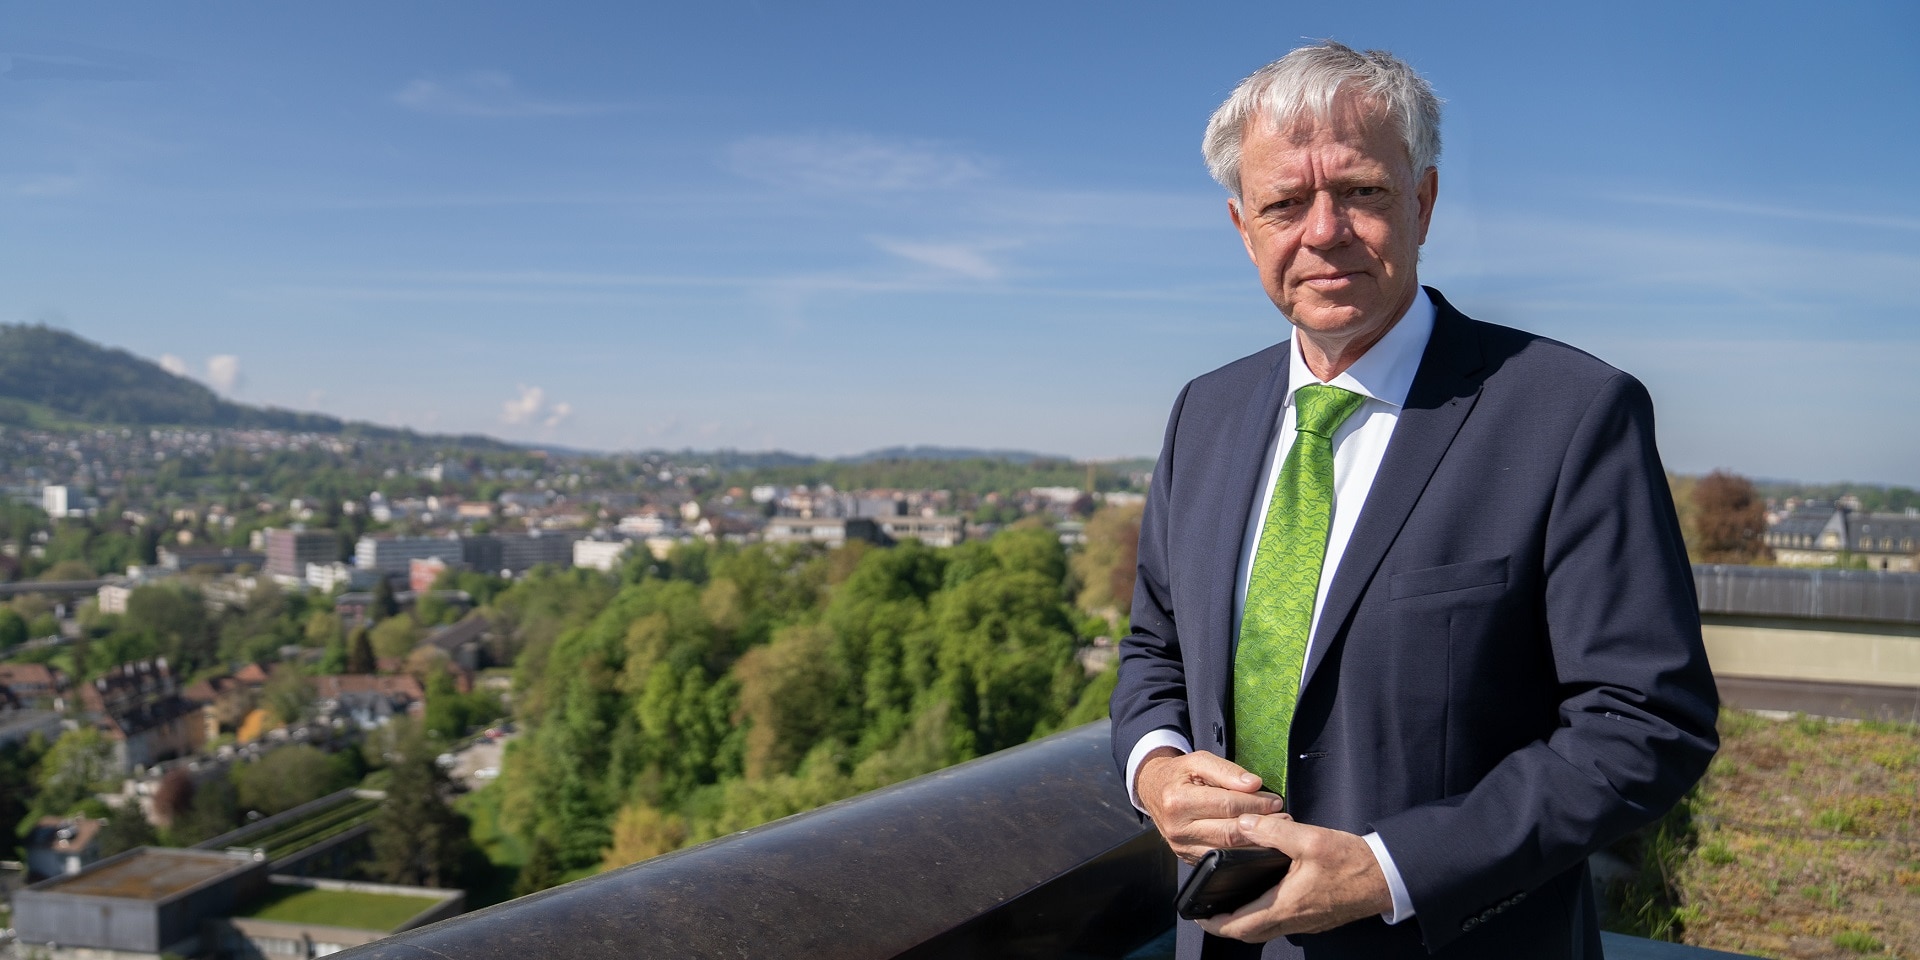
[[338, 908], [1805, 842], [503, 850]]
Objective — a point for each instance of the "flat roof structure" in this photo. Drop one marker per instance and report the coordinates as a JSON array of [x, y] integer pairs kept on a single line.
[[144, 902], [155, 873]]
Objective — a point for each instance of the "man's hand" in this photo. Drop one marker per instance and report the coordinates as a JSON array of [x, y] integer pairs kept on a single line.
[[1197, 800], [1334, 880]]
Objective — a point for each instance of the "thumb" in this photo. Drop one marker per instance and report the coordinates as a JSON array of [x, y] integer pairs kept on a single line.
[[1276, 830]]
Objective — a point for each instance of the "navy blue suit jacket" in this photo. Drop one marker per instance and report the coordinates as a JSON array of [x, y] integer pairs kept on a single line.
[[1508, 672]]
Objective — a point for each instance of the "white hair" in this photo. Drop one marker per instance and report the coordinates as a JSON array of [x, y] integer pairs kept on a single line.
[[1306, 81]]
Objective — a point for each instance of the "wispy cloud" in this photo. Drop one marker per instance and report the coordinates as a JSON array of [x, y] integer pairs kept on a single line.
[[962, 259], [1779, 213], [173, 365], [59, 60], [52, 185], [854, 163], [531, 406], [223, 371], [490, 93]]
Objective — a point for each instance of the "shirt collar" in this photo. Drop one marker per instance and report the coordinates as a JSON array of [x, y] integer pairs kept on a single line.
[[1385, 372]]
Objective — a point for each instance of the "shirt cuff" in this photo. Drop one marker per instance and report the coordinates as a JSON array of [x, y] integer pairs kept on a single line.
[[1154, 740], [1402, 903]]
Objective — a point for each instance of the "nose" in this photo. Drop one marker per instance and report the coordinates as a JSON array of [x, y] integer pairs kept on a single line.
[[1327, 224]]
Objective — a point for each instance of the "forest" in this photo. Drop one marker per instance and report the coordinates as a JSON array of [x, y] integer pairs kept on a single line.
[[727, 687]]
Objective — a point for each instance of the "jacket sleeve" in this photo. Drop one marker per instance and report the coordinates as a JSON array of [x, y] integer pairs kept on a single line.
[[1637, 702], [1151, 692]]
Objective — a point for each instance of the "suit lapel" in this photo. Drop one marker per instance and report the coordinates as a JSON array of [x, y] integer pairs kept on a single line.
[[1248, 467], [1443, 393]]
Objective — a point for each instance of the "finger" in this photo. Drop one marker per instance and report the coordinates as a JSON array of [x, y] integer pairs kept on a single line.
[[1197, 802], [1278, 831], [1220, 772], [1204, 835]]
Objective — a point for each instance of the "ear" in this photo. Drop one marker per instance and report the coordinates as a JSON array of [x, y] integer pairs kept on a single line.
[[1233, 213], [1425, 194]]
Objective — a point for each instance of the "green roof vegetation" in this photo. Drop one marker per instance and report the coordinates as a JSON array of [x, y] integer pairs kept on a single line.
[[316, 828], [338, 908]]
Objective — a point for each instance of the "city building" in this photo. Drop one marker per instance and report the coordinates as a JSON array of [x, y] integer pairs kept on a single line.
[[300, 917], [933, 531], [288, 551], [393, 556], [422, 573], [59, 846], [112, 597], [19, 721], [367, 701], [153, 902], [327, 577], [140, 709], [136, 905], [35, 685], [1822, 533], [600, 554], [516, 553], [179, 559], [831, 531]]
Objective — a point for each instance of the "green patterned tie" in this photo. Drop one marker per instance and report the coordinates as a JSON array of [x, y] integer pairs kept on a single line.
[[1286, 578]]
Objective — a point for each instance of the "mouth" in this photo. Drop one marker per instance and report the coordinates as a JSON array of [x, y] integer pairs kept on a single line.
[[1328, 281]]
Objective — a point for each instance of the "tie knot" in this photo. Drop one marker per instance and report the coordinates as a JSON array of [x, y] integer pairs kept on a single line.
[[1321, 409]]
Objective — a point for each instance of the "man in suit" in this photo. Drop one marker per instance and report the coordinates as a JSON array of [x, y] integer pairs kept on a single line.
[[1418, 575]]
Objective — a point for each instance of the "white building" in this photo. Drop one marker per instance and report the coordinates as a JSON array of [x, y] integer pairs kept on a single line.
[[935, 531], [326, 576], [112, 598], [647, 523], [53, 499], [600, 554]]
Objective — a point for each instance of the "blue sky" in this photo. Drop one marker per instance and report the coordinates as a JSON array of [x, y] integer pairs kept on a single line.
[[833, 227]]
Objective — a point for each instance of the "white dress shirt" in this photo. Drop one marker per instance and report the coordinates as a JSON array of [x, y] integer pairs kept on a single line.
[[1382, 375]]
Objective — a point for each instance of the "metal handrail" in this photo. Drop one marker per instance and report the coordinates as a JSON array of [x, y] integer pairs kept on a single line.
[[1031, 852]]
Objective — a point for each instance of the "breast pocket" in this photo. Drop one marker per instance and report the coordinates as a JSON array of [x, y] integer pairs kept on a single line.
[[1448, 579]]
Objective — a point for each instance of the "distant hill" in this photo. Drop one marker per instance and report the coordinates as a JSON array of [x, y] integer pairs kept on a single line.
[[49, 376], [950, 453]]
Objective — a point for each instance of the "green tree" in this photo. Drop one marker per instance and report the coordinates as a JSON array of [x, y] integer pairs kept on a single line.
[[360, 657], [1105, 567], [418, 839], [17, 787], [394, 636], [79, 764], [322, 628], [288, 694], [176, 618], [384, 604], [125, 830], [289, 777], [214, 810], [789, 698], [13, 628]]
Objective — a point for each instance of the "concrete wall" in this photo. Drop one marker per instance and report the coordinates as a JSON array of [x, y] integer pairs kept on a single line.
[[41, 916], [1832, 651]]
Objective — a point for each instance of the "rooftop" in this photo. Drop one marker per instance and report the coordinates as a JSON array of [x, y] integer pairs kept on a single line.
[[148, 873], [353, 909]]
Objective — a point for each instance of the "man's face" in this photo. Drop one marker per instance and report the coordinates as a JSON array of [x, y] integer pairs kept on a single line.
[[1333, 216]]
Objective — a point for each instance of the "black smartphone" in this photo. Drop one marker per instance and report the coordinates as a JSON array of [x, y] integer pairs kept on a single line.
[[1230, 878]]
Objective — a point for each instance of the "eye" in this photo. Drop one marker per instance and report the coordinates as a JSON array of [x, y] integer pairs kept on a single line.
[[1367, 191]]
